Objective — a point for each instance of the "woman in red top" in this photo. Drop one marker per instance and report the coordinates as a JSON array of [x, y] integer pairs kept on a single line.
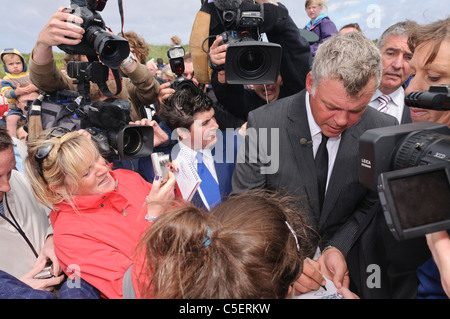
[[98, 215]]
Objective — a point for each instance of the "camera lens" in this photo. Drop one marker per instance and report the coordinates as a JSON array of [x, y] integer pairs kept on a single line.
[[251, 60], [132, 142], [420, 148], [111, 49]]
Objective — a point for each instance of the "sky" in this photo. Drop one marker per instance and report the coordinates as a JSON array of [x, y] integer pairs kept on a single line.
[[157, 20]]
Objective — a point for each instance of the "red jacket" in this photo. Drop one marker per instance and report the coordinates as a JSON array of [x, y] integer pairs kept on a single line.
[[99, 238]]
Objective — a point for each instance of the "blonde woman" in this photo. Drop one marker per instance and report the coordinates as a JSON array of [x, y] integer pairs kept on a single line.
[[320, 23], [98, 215]]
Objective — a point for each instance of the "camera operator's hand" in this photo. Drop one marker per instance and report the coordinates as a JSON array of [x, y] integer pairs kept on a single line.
[[159, 136], [60, 29], [217, 55], [164, 92]]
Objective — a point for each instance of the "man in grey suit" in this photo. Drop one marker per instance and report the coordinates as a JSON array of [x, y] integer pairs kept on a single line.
[[346, 72], [390, 96]]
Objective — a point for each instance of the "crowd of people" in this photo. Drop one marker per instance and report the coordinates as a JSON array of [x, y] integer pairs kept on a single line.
[[276, 208]]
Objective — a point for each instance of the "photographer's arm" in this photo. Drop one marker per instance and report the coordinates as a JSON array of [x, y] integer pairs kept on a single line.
[[142, 88], [43, 70]]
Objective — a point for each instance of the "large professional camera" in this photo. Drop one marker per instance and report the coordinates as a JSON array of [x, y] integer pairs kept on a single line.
[[248, 59], [409, 166], [97, 41], [107, 121], [110, 129], [176, 61]]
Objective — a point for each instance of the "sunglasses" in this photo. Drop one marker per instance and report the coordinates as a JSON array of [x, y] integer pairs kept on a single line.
[[43, 151]]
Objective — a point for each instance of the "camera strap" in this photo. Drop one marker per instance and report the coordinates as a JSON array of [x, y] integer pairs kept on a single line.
[[104, 87], [119, 2], [16, 225]]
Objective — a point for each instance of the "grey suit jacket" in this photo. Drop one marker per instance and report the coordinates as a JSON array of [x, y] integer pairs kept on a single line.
[[347, 203]]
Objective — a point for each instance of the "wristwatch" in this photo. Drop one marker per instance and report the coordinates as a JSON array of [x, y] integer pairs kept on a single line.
[[128, 61]]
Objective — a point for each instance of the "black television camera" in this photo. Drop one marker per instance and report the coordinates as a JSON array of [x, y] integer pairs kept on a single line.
[[97, 41], [249, 60], [176, 61], [409, 166]]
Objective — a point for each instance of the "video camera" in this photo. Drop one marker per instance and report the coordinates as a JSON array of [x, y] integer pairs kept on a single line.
[[176, 60], [409, 166], [97, 41], [248, 59]]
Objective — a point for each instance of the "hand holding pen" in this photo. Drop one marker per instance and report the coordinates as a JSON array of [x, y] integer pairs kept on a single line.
[[311, 278]]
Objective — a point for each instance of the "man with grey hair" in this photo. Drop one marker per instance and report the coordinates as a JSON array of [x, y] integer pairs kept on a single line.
[[318, 131], [390, 96]]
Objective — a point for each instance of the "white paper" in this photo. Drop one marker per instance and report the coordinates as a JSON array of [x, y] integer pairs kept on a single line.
[[330, 293]]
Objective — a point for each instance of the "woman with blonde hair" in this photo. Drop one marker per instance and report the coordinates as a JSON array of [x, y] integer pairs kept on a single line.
[[320, 23], [98, 215]]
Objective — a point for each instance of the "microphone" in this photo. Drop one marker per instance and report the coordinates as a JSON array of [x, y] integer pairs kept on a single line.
[[225, 5], [305, 142]]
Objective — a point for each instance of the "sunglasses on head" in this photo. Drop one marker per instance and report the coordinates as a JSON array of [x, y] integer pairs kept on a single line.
[[43, 151]]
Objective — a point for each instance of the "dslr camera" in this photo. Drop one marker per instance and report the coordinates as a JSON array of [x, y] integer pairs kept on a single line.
[[107, 121], [409, 166], [248, 59], [97, 41], [176, 61]]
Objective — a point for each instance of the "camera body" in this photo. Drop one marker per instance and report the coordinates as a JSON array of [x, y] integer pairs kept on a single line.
[[110, 129], [97, 41], [409, 166], [248, 59]]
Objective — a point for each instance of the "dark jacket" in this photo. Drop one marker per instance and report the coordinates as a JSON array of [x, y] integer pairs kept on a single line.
[[324, 30]]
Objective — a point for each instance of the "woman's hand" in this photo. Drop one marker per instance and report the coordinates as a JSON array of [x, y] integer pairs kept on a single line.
[[161, 195], [40, 284]]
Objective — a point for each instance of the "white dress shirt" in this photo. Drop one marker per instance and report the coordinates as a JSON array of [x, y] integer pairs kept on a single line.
[[395, 105], [332, 144], [208, 159]]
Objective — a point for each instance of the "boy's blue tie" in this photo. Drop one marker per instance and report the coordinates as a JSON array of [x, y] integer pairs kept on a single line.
[[209, 186]]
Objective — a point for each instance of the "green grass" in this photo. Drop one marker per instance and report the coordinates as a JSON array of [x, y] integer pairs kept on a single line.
[[155, 52]]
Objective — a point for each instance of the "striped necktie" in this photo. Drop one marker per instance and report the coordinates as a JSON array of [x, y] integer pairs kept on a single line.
[[383, 102]]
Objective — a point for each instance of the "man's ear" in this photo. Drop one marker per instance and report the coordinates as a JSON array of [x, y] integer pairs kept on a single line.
[[183, 133], [309, 83]]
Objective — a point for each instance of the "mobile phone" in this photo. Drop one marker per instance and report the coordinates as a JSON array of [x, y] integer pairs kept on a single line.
[[160, 161], [46, 272]]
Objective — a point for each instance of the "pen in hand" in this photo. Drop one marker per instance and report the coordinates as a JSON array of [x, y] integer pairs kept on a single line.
[[309, 262]]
